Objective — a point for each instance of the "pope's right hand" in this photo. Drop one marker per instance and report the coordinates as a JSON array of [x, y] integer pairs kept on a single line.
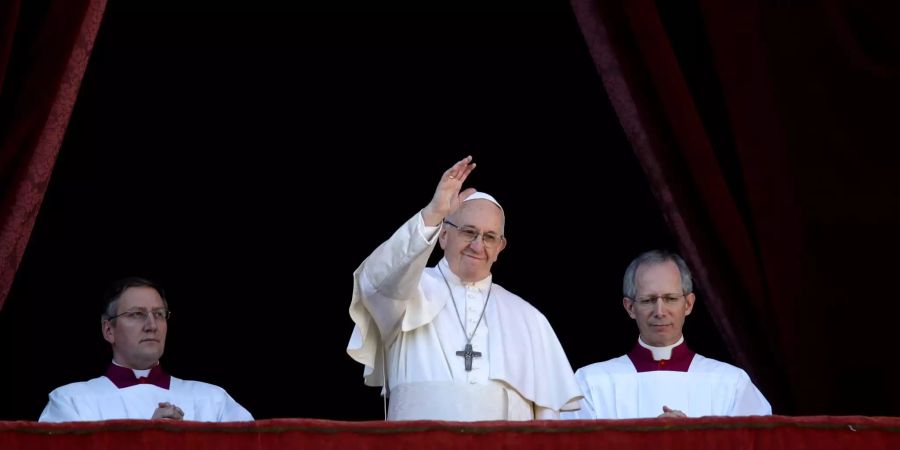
[[447, 197]]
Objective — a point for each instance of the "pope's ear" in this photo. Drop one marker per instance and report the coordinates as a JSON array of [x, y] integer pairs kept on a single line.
[[442, 239]]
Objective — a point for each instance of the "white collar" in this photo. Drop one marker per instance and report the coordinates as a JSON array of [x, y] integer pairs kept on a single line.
[[453, 279], [660, 352], [138, 373]]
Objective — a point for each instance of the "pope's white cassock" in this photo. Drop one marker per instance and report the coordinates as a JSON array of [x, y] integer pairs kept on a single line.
[[522, 373], [135, 394], [639, 384]]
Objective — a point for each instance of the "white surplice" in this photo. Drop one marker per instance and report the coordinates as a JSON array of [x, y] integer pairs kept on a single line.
[[100, 399], [614, 389]]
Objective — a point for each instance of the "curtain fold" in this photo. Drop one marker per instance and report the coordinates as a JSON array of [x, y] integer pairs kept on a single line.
[[44, 50], [642, 76], [765, 131]]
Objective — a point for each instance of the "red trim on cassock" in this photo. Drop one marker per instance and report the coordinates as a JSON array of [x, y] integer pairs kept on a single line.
[[643, 361], [123, 377]]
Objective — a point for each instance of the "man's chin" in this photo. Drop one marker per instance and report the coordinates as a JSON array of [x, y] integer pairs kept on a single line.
[[152, 356], [660, 340]]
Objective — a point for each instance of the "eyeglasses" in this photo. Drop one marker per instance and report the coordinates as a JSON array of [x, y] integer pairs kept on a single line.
[[650, 301], [470, 234], [141, 315]]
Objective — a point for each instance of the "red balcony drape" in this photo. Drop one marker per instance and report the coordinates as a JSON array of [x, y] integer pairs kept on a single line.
[[732, 433], [44, 50]]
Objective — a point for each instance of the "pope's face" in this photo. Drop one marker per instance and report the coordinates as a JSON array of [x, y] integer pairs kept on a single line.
[[471, 260]]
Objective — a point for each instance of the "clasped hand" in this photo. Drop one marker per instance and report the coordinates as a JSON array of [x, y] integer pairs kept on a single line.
[[168, 410], [669, 412]]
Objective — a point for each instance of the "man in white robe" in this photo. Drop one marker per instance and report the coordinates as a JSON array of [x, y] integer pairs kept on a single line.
[[135, 323], [661, 376], [451, 344]]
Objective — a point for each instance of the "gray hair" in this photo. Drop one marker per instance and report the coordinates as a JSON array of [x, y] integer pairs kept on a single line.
[[653, 257]]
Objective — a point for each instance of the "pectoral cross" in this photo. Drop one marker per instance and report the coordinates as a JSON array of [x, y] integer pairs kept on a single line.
[[468, 354]]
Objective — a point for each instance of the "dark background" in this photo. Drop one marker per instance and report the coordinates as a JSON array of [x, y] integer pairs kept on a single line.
[[249, 158]]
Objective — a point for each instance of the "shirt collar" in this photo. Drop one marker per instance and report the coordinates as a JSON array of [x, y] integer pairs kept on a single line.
[[124, 377], [659, 353], [482, 284], [680, 360]]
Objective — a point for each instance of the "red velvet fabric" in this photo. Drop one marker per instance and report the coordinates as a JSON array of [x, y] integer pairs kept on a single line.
[[766, 135], [733, 433], [44, 49]]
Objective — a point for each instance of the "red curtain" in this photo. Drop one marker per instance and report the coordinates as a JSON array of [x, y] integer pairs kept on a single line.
[[744, 433], [766, 133], [44, 49]]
